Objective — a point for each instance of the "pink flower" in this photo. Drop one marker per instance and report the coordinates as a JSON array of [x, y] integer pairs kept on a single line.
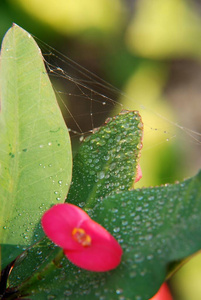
[[163, 293], [139, 174], [85, 243]]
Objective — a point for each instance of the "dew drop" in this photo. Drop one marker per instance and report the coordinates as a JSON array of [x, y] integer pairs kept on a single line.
[[116, 229], [101, 175], [114, 210], [119, 291], [124, 223], [68, 293], [148, 237]]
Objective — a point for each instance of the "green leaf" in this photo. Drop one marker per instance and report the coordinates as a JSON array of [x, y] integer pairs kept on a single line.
[[35, 150], [155, 227], [106, 161]]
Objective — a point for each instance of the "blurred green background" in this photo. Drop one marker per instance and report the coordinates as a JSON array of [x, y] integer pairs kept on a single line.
[[151, 50]]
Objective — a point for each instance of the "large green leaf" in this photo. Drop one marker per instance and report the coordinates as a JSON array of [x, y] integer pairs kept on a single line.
[[106, 162], [155, 226], [35, 151]]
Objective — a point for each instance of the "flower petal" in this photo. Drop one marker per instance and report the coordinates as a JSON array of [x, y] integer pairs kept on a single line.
[[139, 174], [163, 293], [104, 254], [60, 220]]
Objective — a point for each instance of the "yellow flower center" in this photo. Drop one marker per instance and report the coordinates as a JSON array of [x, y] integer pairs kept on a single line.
[[80, 236]]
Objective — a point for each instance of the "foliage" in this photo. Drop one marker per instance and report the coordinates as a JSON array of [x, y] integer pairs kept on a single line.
[[156, 226], [35, 151]]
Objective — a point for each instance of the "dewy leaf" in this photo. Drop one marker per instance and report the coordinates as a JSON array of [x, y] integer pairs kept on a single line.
[[112, 152], [155, 226], [107, 160], [35, 150]]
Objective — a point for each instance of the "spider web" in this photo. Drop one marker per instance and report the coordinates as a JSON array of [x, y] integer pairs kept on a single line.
[[87, 100]]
